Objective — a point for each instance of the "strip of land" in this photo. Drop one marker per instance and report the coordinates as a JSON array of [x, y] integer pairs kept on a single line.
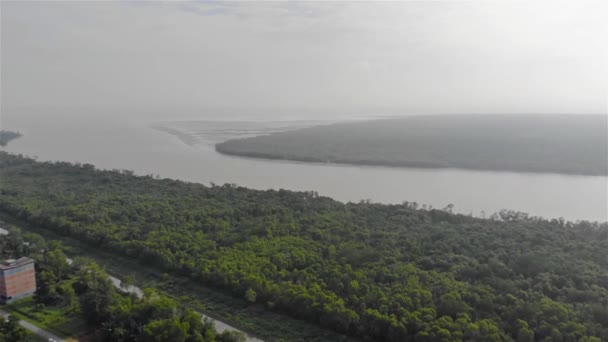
[[566, 144], [7, 136]]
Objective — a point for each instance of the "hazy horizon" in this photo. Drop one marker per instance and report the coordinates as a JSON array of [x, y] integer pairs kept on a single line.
[[330, 58]]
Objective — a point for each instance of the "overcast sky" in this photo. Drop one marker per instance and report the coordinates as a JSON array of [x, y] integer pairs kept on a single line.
[[415, 57]]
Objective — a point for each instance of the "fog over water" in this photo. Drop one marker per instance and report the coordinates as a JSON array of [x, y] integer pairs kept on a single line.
[[114, 141]]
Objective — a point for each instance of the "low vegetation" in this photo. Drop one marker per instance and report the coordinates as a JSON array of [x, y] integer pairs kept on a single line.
[[379, 272], [570, 144]]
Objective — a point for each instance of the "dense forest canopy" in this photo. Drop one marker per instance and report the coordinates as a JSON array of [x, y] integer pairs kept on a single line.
[[6, 136], [380, 272], [571, 144]]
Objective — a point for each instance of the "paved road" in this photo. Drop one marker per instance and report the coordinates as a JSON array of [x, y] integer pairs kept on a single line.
[[40, 332]]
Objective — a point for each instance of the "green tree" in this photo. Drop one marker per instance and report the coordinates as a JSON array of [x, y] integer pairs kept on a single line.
[[250, 295], [97, 294], [524, 334], [11, 331], [166, 330]]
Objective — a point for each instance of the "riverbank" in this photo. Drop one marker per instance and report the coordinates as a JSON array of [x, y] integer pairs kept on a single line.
[[561, 144], [7, 136]]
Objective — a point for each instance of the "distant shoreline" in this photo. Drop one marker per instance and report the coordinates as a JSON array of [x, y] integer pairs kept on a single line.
[[520, 144], [183, 137], [8, 136], [411, 165]]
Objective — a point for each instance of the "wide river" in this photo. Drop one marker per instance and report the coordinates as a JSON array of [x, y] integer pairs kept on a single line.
[[186, 151]]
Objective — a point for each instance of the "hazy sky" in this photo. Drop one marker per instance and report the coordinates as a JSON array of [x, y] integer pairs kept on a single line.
[[417, 57]]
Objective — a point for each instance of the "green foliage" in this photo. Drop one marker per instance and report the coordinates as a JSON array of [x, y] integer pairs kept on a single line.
[[170, 329], [250, 295], [231, 336], [11, 331], [97, 294], [383, 272], [85, 290], [155, 318], [57, 319], [51, 269], [12, 246]]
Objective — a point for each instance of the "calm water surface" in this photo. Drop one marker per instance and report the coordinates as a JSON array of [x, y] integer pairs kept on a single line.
[[187, 153]]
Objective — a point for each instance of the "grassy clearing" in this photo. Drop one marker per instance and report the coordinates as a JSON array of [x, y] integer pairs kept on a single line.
[[55, 320]]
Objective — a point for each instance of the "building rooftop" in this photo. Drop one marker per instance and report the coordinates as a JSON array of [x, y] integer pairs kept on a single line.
[[12, 263]]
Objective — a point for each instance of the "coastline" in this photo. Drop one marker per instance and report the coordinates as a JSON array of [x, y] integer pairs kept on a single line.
[[8, 136], [220, 148]]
